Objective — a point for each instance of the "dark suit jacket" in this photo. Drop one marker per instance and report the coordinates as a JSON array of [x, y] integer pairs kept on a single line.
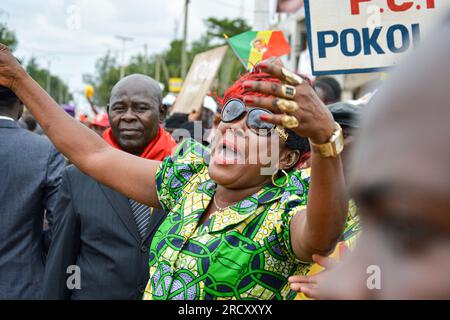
[[95, 230], [30, 174]]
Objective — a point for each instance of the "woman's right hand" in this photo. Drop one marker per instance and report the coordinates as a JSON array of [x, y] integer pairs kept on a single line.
[[10, 68]]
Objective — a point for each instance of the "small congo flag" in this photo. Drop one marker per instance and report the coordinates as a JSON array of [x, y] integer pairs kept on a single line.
[[252, 47]]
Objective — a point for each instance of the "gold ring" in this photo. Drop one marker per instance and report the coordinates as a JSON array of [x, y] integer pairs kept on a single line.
[[288, 91], [289, 122], [291, 77], [283, 134], [287, 106]]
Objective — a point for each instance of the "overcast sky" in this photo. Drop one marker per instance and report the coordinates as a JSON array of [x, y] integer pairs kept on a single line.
[[73, 34]]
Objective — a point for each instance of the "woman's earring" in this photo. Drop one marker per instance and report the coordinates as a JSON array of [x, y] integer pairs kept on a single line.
[[285, 182]]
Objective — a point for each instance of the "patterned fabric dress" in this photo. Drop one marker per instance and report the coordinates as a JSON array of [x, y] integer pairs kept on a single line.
[[243, 253]]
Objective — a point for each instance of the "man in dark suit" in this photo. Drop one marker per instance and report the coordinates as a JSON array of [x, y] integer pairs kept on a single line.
[[30, 174], [101, 238]]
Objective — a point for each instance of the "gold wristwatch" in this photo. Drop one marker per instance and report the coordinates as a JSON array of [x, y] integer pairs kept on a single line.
[[333, 147]]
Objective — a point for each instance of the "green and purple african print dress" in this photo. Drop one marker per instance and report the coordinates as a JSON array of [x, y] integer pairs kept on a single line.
[[243, 253]]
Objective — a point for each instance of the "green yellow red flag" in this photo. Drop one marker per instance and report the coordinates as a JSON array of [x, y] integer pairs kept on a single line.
[[251, 47]]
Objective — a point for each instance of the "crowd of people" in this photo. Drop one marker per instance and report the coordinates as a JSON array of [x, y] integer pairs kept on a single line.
[[277, 190]]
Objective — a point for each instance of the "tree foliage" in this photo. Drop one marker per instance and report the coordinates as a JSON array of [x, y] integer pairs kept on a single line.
[[167, 64], [58, 89], [7, 36], [217, 28], [53, 84], [107, 73]]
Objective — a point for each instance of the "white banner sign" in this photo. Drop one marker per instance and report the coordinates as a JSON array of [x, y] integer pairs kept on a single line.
[[201, 75], [350, 36]]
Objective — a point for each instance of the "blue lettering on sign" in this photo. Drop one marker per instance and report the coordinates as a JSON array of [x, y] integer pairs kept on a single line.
[[416, 33], [323, 45], [353, 43], [371, 41], [405, 38], [356, 40]]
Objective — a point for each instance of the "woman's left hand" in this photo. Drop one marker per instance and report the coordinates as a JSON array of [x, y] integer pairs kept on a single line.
[[294, 103]]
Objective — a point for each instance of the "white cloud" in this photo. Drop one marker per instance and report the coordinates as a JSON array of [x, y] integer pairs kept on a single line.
[[51, 30]]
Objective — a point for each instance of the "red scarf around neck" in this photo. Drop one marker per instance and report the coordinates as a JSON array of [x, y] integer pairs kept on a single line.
[[159, 148]]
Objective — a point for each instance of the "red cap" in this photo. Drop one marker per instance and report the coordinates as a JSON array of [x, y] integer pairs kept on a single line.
[[101, 120]]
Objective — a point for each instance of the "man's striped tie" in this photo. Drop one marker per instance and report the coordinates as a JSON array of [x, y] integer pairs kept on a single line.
[[142, 214]]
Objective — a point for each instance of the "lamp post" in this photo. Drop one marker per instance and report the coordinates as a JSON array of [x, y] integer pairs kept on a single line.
[[124, 42]]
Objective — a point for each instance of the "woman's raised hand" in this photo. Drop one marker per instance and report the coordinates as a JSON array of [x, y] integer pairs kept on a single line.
[[9, 68], [294, 103]]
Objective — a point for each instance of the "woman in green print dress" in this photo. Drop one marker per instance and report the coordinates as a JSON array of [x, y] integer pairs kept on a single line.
[[232, 231]]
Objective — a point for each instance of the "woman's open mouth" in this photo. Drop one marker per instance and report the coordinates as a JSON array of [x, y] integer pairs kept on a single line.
[[227, 153]]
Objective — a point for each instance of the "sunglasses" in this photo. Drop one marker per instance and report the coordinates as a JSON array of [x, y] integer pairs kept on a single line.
[[235, 108]]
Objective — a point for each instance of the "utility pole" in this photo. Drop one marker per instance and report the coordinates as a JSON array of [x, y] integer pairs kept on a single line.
[[175, 31], [184, 43], [49, 77], [145, 59], [158, 69], [165, 69], [124, 43], [60, 93]]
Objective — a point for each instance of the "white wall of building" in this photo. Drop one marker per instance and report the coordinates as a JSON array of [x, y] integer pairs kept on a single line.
[[262, 12]]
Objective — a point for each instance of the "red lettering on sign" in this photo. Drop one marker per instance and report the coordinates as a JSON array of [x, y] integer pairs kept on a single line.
[[355, 5], [399, 7], [430, 4]]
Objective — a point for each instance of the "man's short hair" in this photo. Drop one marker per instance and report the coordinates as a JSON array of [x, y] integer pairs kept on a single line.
[[29, 120], [7, 98], [331, 88]]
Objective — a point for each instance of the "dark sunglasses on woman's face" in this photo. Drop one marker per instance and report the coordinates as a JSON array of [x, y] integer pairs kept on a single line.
[[235, 108]]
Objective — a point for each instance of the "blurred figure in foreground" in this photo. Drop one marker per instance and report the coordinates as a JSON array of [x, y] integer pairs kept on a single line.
[[30, 174], [403, 191]]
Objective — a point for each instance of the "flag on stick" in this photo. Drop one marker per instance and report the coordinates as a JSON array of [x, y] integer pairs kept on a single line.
[[252, 47]]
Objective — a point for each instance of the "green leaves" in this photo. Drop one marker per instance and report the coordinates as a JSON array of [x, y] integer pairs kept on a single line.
[[7, 36], [167, 64], [58, 88]]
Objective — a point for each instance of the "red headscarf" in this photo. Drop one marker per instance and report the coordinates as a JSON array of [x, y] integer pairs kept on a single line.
[[159, 148], [237, 91]]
